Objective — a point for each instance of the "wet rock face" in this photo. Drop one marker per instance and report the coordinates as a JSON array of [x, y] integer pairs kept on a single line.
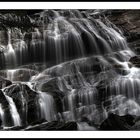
[[128, 21], [21, 74], [4, 82], [55, 126], [6, 108], [25, 100], [49, 126], [16, 19], [135, 61], [115, 122], [52, 88], [3, 40]]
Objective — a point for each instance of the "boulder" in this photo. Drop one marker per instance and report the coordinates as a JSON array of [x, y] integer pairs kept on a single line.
[[120, 69], [136, 126], [116, 122], [53, 86], [135, 61]]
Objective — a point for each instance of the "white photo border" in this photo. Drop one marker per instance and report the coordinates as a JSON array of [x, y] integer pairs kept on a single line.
[[69, 5]]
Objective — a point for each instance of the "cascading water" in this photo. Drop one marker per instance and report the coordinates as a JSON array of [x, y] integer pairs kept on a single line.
[[47, 106], [10, 56], [82, 62], [2, 115], [14, 113], [10, 74]]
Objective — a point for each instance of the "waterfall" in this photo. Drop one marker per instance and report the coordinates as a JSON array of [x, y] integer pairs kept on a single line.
[[2, 115], [71, 66], [46, 103], [10, 74], [14, 112], [60, 39], [10, 56]]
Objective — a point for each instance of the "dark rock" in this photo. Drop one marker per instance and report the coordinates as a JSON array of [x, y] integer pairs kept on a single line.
[[13, 19], [20, 12], [116, 122], [130, 119], [8, 121], [6, 108], [135, 46], [91, 123], [4, 82], [136, 126], [68, 126], [15, 128], [52, 86], [0, 122], [38, 122], [135, 61], [3, 40], [3, 100], [128, 20], [121, 69], [55, 126], [84, 119]]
